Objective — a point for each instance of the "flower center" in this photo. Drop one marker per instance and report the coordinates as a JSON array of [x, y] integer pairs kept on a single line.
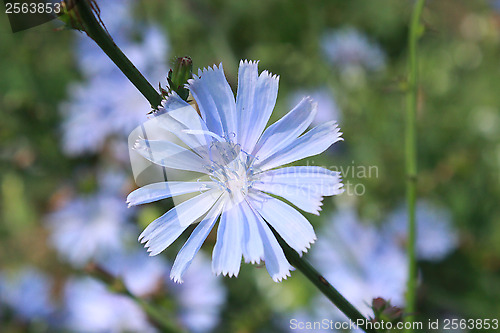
[[236, 178], [231, 169]]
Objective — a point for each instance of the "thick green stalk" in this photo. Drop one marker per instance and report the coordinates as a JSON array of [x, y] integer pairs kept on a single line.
[[323, 285], [411, 156], [95, 30]]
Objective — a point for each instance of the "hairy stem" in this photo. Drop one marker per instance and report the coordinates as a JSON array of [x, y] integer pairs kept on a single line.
[[411, 156]]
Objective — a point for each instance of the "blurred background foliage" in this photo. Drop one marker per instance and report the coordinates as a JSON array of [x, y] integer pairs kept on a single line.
[[458, 131]]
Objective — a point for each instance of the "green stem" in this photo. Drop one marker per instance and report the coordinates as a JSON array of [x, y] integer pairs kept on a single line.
[[411, 157], [323, 285], [96, 31]]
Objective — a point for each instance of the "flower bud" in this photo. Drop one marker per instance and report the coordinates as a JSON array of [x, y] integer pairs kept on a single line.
[[69, 15], [179, 75], [384, 311], [379, 304]]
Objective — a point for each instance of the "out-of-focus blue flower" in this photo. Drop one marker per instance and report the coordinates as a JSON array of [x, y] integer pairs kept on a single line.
[[361, 262], [200, 297], [106, 103], [495, 4], [346, 48], [112, 181], [144, 44], [436, 237], [90, 307], [117, 15], [148, 53], [141, 273], [364, 262], [90, 227], [27, 293], [327, 108], [235, 161]]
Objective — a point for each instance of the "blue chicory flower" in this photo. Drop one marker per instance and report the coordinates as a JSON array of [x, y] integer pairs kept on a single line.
[[91, 307], [200, 298], [141, 274], [235, 162], [90, 227], [327, 107], [347, 47], [436, 237], [362, 261], [27, 293]]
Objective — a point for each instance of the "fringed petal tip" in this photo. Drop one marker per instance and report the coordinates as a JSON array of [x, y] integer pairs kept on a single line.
[[253, 261], [170, 94], [176, 278], [226, 273], [206, 70], [139, 144], [280, 276], [161, 109], [142, 238], [317, 212], [247, 62], [310, 100], [277, 277], [307, 247], [339, 187], [320, 199], [270, 75], [128, 201], [132, 199], [337, 130], [152, 253], [196, 79]]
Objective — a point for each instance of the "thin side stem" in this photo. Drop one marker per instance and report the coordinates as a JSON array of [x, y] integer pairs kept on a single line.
[[155, 315], [324, 286], [96, 31], [411, 157]]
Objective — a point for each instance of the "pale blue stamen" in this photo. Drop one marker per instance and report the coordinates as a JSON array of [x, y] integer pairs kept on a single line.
[[231, 172]]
